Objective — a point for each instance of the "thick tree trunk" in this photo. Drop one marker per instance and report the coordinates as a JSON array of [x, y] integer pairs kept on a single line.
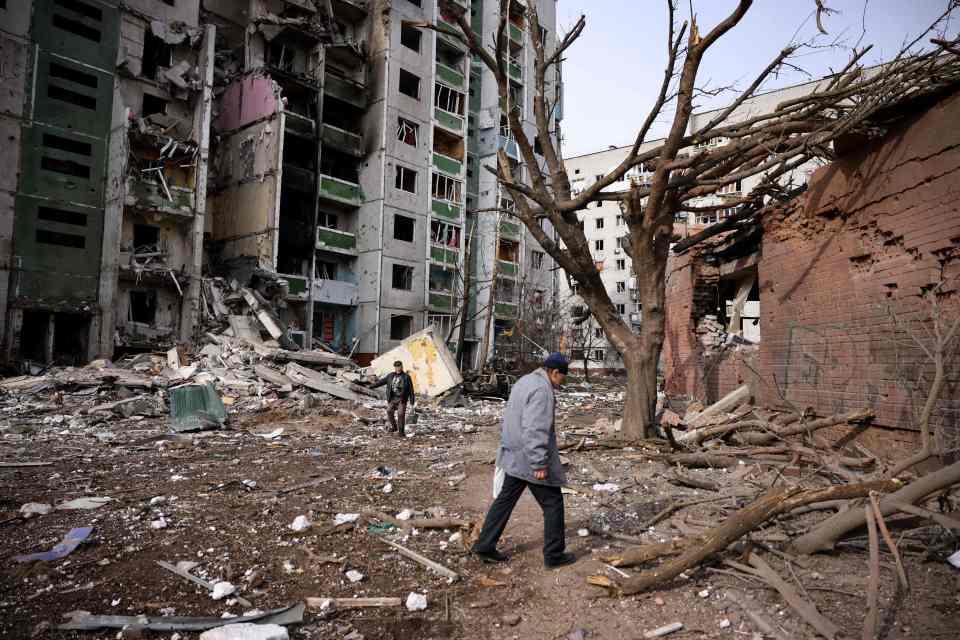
[[640, 402]]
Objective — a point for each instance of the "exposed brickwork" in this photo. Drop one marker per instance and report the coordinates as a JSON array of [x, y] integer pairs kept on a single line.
[[873, 231]]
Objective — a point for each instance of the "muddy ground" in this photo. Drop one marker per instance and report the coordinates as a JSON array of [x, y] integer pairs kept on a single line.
[[239, 531]]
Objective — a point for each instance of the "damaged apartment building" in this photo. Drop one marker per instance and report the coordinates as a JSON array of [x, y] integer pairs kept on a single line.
[[323, 152], [827, 303]]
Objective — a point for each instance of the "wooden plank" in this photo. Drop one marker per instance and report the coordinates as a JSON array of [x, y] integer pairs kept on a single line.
[[427, 562], [199, 581], [807, 610]]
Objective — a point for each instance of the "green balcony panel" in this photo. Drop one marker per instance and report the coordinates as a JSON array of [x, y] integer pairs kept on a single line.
[[515, 71], [343, 140], [441, 300], [508, 269], [444, 255], [340, 191], [296, 285], [447, 165], [336, 239], [296, 123], [150, 196], [446, 209], [346, 90], [450, 76], [449, 120], [505, 310], [516, 33], [510, 229]]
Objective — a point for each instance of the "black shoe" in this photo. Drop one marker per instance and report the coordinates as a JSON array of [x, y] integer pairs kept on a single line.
[[560, 561], [491, 557]]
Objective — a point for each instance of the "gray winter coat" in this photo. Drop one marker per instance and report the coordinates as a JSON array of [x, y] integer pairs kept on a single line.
[[528, 441]]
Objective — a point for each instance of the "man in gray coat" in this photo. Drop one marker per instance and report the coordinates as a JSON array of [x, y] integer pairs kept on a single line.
[[530, 459]]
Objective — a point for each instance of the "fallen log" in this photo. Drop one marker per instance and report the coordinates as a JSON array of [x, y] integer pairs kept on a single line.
[[684, 480], [824, 536], [725, 404], [697, 436], [852, 417], [701, 460], [754, 613], [771, 504]]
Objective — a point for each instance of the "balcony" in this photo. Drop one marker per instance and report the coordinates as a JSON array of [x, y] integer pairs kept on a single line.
[[298, 178], [442, 300], [510, 229], [350, 91], [444, 255], [515, 70], [344, 140], [507, 269], [451, 28], [336, 241], [505, 310], [148, 195], [451, 76], [446, 209], [299, 124], [336, 292], [447, 120], [516, 33], [341, 191], [447, 165], [509, 145], [297, 286]]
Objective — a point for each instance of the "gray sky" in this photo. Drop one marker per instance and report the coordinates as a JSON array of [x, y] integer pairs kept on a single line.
[[613, 73]]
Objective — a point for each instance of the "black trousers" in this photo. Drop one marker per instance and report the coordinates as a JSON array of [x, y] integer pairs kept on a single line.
[[550, 500], [397, 405]]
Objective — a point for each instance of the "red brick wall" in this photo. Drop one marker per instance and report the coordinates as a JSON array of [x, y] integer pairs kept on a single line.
[[872, 231]]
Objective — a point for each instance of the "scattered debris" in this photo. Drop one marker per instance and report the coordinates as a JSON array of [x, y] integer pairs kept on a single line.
[[83, 621], [85, 504], [247, 631], [300, 523], [664, 630], [71, 541], [416, 602], [32, 509]]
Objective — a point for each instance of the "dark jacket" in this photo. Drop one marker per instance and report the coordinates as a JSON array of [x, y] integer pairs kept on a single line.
[[406, 393], [528, 441]]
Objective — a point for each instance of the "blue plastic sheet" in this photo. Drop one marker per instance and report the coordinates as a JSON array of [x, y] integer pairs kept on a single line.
[[72, 540]]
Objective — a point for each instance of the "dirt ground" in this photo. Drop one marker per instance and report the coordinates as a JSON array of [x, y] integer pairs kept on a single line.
[[227, 499]]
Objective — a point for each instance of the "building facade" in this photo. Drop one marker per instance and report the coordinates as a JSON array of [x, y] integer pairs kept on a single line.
[[329, 153]]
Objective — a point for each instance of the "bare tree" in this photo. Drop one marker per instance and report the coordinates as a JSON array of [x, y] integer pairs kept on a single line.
[[683, 167]]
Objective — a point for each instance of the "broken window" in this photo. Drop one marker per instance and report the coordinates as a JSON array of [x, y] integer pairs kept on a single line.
[[443, 322], [740, 311], [506, 290], [143, 307], [733, 187], [597, 332], [410, 37], [507, 250], [445, 188], [409, 84], [599, 221], [448, 99], [406, 179], [156, 53], [328, 220], [621, 286], [281, 56], [146, 237], [407, 132], [448, 144], [403, 227], [621, 264], [444, 234], [325, 270], [152, 104], [400, 327], [441, 280], [402, 277], [536, 259]]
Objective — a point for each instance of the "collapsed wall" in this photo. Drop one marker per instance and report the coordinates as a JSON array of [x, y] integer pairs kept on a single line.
[[841, 272]]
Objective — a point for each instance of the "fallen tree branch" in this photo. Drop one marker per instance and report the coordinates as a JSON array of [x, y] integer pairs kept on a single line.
[[825, 535], [806, 609], [901, 572], [873, 584], [944, 521], [854, 417], [754, 614], [771, 504]]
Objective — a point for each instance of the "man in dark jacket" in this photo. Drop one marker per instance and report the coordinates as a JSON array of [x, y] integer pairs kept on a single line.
[[530, 459], [399, 393]]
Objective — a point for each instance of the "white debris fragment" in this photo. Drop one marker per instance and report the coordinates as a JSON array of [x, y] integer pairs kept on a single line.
[[388, 488], [608, 487], [724, 624], [583, 533], [416, 602], [157, 500], [159, 523], [250, 484], [456, 537], [300, 523], [177, 478], [247, 631], [955, 560], [222, 590], [705, 593], [344, 518], [663, 631], [31, 509], [354, 576], [406, 514]]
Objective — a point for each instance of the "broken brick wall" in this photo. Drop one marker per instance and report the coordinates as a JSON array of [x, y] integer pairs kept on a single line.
[[874, 230]]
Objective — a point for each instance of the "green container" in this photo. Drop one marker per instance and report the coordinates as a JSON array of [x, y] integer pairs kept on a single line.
[[196, 407]]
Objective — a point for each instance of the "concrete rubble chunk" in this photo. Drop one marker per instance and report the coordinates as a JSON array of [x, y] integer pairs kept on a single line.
[[427, 359]]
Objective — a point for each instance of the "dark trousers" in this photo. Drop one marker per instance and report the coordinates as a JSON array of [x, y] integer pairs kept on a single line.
[[550, 500], [397, 422]]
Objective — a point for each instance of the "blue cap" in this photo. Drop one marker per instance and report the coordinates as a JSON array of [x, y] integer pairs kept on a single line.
[[557, 361]]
